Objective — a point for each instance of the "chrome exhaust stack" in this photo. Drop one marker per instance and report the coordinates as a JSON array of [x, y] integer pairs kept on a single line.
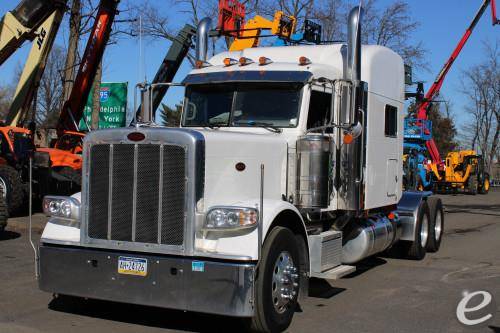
[[202, 32], [353, 120], [353, 72]]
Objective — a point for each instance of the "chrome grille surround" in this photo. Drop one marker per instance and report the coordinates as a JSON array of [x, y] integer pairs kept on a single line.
[[148, 164]]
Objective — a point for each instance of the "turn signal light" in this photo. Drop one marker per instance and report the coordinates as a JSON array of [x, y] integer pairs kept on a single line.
[[391, 216], [348, 138], [245, 61], [264, 61], [303, 61], [230, 61]]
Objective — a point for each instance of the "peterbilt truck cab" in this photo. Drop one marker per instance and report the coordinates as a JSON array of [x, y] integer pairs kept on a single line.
[[287, 165]]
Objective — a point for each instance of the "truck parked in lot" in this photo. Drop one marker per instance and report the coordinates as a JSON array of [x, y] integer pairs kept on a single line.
[[287, 166]]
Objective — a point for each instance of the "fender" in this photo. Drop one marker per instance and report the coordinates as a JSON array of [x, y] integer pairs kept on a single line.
[[408, 212]]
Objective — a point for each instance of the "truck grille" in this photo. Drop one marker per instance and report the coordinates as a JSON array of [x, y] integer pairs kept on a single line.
[[153, 174]]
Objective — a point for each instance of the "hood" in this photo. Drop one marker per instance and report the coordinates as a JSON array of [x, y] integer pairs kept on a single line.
[[233, 166]]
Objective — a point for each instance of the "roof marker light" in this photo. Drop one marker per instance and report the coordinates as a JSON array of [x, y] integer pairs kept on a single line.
[[264, 61], [303, 61], [230, 61], [201, 64], [245, 61]]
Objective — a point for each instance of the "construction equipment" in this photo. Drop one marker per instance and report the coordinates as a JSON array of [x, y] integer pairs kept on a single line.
[[25, 22], [424, 103], [464, 170], [38, 21], [72, 110], [287, 166]]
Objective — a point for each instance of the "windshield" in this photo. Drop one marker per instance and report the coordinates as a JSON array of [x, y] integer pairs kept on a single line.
[[242, 104]]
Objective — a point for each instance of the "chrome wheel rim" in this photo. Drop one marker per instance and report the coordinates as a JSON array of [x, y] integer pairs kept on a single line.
[[285, 282], [424, 231], [438, 226], [3, 188]]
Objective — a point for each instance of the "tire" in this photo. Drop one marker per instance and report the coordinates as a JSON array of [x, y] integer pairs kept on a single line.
[[415, 249], [485, 186], [436, 225], [10, 180], [3, 212], [274, 313], [472, 185]]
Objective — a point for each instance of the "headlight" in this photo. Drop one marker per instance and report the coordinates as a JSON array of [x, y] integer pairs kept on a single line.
[[231, 218], [63, 207]]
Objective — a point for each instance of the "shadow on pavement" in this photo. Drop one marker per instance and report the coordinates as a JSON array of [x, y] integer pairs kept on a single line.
[[494, 329], [146, 315], [320, 288], [366, 265], [490, 210], [6, 235]]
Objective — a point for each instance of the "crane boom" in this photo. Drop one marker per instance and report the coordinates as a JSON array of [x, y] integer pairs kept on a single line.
[[22, 23], [438, 82], [72, 110]]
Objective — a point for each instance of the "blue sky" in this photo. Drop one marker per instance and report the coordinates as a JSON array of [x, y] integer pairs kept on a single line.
[[442, 24]]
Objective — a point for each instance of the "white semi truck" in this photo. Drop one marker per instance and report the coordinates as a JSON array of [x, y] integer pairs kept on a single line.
[[287, 166]]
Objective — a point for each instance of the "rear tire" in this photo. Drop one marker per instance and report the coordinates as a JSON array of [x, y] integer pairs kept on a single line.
[[416, 249], [485, 186], [13, 187], [280, 260], [436, 226]]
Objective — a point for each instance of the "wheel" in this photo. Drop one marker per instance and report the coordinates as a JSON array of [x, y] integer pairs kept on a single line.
[[472, 185], [12, 188], [416, 249], [3, 212], [485, 188], [278, 283], [436, 226], [74, 177]]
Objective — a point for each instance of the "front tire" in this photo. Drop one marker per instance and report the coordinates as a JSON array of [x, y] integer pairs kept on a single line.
[[278, 282], [12, 188]]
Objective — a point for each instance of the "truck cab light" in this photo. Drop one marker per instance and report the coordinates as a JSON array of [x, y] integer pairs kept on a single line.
[[202, 64], [245, 61], [136, 136], [264, 61], [230, 62], [303, 61]]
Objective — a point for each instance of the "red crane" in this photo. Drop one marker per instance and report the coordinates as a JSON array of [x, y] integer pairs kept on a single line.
[[438, 82], [72, 110]]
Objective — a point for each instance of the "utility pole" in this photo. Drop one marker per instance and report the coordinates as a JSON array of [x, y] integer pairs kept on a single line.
[[74, 36]]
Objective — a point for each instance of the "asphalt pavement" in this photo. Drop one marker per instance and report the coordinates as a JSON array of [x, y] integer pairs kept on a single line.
[[383, 295]]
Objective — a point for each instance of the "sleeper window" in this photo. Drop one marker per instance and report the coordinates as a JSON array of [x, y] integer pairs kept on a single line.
[[391, 121]]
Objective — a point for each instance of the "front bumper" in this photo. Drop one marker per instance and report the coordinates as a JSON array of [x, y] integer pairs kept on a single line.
[[216, 287]]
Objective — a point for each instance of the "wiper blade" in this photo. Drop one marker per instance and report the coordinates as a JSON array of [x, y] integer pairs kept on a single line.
[[214, 125], [267, 126]]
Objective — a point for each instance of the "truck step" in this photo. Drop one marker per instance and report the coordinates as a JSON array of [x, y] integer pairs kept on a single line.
[[334, 273]]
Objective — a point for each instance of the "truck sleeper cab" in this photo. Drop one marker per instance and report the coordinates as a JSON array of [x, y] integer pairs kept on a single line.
[[280, 172]]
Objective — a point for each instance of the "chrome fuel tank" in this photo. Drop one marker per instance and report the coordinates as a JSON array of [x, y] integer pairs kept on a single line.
[[314, 162]]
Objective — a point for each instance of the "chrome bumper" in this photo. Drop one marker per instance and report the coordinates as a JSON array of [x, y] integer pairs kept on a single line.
[[216, 287]]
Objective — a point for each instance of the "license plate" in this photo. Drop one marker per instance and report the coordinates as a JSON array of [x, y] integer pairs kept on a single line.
[[132, 266]]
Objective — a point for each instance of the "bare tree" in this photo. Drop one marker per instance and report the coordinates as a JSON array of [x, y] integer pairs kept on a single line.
[[51, 89], [482, 88]]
